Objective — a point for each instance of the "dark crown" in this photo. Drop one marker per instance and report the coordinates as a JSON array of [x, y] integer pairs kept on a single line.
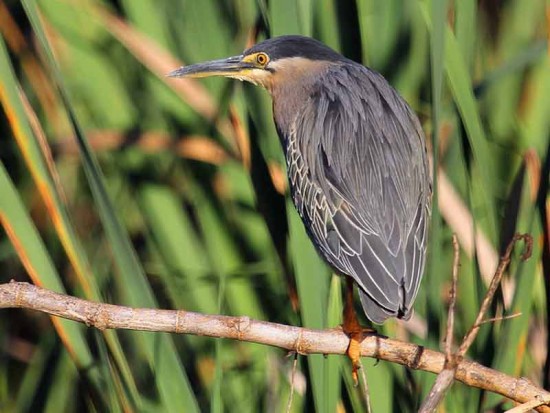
[[295, 46]]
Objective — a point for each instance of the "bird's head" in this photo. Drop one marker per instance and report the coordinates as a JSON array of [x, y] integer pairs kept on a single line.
[[269, 62]]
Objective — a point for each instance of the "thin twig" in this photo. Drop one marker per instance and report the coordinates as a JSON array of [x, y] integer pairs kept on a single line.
[[365, 386], [331, 341], [452, 304], [530, 405], [443, 382], [504, 261], [292, 378], [501, 318], [445, 379]]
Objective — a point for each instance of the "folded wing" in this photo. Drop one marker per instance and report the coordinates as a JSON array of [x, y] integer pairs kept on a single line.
[[359, 177]]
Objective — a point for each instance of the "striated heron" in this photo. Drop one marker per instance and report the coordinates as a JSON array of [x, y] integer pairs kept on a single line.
[[357, 167]]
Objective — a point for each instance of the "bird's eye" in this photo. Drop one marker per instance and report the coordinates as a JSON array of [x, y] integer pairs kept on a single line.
[[262, 59]]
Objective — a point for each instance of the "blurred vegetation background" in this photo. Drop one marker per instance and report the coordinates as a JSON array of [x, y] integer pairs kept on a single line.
[[122, 186]]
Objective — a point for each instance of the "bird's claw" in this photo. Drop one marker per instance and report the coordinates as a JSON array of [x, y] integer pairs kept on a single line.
[[354, 354], [356, 334]]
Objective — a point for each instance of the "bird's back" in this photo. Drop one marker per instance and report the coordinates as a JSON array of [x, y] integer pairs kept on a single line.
[[359, 178]]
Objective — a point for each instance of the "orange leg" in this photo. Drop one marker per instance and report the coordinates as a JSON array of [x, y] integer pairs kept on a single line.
[[353, 330]]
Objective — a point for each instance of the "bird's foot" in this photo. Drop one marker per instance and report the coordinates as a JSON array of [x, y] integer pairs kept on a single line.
[[354, 354], [356, 334], [354, 330]]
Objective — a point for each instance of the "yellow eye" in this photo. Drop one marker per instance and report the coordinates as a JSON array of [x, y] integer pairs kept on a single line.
[[262, 59]]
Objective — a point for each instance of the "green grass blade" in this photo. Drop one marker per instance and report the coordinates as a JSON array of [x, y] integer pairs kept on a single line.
[[379, 29], [180, 247], [460, 85], [34, 373], [326, 23], [466, 23], [437, 57], [31, 149], [29, 245], [62, 397], [333, 378], [285, 18], [13, 103], [170, 376], [312, 280], [536, 122]]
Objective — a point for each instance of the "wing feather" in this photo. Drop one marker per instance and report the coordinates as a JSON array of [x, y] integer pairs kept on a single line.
[[359, 178]]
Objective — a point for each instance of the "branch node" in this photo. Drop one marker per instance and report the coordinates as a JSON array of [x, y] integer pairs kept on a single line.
[[17, 295], [97, 317], [519, 386], [452, 362], [299, 346], [179, 327], [414, 363], [240, 325]]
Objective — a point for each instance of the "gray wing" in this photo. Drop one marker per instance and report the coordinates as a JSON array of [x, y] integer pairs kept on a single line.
[[359, 178]]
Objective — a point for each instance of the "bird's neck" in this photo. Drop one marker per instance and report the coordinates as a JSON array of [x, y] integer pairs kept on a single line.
[[288, 101], [291, 88]]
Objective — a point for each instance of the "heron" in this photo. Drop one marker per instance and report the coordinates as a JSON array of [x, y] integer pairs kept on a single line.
[[357, 168]]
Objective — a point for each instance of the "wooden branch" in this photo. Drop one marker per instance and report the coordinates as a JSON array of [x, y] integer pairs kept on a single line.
[[301, 340]]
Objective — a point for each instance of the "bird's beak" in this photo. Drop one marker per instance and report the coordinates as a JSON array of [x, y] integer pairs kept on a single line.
[[231, 67]]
